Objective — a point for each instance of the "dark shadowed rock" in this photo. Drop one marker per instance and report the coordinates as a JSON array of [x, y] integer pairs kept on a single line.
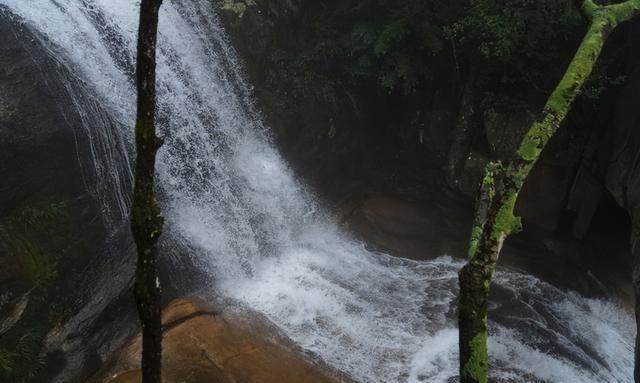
[[416, 230], [54, 237]]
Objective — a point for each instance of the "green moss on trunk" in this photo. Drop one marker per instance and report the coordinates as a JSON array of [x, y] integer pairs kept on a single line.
[[495, 220]]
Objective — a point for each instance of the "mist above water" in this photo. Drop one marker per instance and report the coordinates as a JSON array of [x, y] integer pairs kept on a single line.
[[227, 194]]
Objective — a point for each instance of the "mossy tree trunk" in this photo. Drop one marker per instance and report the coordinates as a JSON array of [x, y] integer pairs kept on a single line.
[[146, 220], [495, 218]]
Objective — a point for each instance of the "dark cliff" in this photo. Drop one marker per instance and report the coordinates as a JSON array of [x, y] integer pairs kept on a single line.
[[432, 142], [57, 242]]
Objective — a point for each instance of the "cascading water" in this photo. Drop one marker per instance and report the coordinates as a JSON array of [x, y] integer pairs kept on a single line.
[[227, 193]]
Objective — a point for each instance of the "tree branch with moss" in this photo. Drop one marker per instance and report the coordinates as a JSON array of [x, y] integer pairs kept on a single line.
[[146, 220], [495, 218]]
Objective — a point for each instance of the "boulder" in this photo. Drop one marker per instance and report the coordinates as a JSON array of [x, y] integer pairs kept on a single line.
[[415, 230], [203, 344]]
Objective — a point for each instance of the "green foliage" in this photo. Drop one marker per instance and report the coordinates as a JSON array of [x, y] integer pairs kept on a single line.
[[7, 362], [23, 362], [291, 74], [503, 29], [402, 45], [38, 236], [41, 268], [359, 41]]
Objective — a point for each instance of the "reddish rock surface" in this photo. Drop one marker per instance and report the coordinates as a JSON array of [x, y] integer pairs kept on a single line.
[[202, 345]]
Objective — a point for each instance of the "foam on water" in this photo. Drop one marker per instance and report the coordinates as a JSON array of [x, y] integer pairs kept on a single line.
[[227, 193]]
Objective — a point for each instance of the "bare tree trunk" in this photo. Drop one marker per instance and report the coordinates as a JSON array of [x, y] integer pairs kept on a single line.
[[495, 219], [146, 220]]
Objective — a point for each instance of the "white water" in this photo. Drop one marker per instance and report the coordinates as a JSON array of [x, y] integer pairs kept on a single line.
[[231, 198]]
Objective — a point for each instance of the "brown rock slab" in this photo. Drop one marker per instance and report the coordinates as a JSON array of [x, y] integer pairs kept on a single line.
[[404, 228], [203, 345]]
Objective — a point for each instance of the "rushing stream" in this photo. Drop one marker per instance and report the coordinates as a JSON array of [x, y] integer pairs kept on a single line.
[[230, 197]]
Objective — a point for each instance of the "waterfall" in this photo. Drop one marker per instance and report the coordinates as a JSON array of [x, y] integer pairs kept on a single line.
[[230, 197]]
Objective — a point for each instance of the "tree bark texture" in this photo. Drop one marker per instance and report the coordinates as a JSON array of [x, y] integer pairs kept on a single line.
[[146, 220], [495, 218]]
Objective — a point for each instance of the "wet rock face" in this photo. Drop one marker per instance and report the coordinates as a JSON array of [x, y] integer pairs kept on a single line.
[[621, 158], [52, 237], [33, 136], [202, 344], [38, 151]]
